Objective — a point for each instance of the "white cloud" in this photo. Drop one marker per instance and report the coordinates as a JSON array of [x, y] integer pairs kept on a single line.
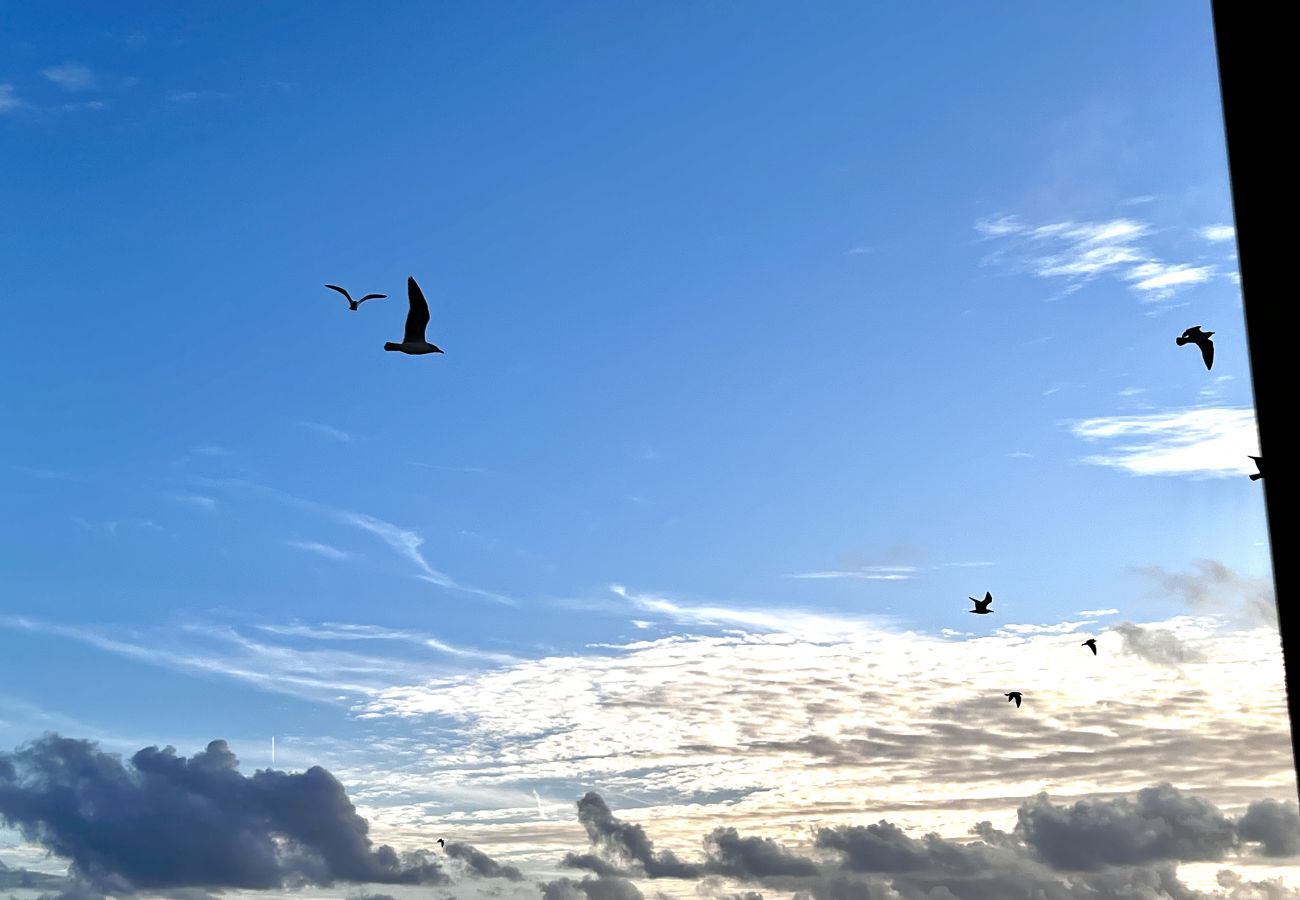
[[790, 726], [197, 500], [72, 76], [1096, 613], [320, 549], [1158, 280], [1079, 252], [9, 100], [865, 573], [178, 96], [329, 431], [1219, 233], [1206, 442]]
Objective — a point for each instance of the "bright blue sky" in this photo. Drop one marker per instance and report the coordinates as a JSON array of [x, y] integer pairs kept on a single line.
[[715, 306]]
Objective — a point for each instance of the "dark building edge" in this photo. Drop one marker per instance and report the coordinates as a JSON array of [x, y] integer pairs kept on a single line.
[[1259, 107]]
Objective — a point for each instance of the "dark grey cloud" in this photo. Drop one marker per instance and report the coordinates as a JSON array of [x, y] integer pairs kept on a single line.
[[753, 857], [1213, 585], [591, 889], [1160, 824], [1089, 850], [15, 879], [1275, 825], [479, 863], [627, 840], [1157, 645], [165, 821]]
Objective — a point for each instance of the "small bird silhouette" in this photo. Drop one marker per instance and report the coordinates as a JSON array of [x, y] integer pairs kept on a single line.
[[1194, 335], [353, 304], [441, 842], [417, 319], [1091, 644], [981, 606], [1014, 695], [1259, 464]]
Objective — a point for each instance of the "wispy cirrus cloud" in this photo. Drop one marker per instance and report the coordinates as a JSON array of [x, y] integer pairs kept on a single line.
[[1199, 442], [404, 541], [198, 501], [325, 550], [9, 99], [1079, 252], [866, 573], [72, 76], [329, 431]]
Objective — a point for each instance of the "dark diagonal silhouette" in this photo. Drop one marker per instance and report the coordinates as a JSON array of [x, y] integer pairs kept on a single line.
[[981, 606], [1259, 464], [441, 842], [354, 304], [1014, 695], [1194, 335], [1091, 644], [417, 319]]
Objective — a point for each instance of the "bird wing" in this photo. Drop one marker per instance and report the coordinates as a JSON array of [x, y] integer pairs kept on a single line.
[[988, 596], [418, 317], [1017, 699], [371, 297], [335, 287], [1207, 352]]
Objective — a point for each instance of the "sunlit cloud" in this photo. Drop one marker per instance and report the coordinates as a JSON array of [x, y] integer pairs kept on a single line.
[[866, 573], [1201, 442]]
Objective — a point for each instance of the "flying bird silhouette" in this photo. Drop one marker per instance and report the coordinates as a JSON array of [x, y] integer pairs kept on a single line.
[[1194, 335], [353, 304], [441, 842], [981, 606], [1091, 644], [1259, 464], [1014, 695], [417, 319]]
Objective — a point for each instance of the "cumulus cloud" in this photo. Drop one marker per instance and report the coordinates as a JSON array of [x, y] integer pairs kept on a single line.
[[1202, 442], [165, 821], [1273, 824], [1095, 847], [1079, 252], [479, 863]]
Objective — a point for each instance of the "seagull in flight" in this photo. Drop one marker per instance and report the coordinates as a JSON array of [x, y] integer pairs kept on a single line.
[[354, 304], [981, 606], [441, 842], [1014, 695], [1259, 464], [1194, 335], [417, 319], [1091, 644]]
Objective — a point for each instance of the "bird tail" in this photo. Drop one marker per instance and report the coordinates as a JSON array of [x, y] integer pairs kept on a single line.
[[1256, 477], [389, 345]]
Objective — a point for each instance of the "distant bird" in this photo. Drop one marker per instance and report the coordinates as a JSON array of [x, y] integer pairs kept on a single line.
[[441, 842], [1194, 335], [417, 319], [1259, 464], [1014, 695], [353, 304], [1091, 644], [981, 606]]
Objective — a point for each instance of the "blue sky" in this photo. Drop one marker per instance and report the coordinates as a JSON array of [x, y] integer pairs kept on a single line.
[[731, 296]]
